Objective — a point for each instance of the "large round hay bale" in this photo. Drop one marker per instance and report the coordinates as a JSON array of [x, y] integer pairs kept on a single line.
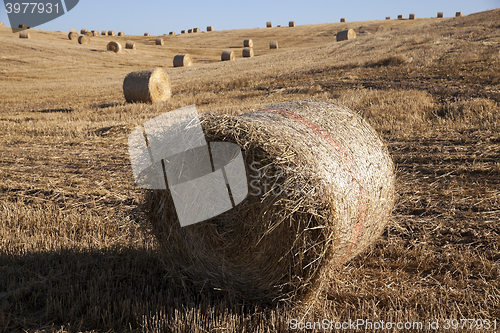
[[182, 60], [190, 31], [278, 26], [89, 34], [291, 24], [401, 17], [440, 15], [159, 41], [320, 191], [387, 17], [172, 33], [22, 26], [83, 31], [147, 86], [247, 52], [146, 34], [210, 28], [111, 33], [342, 20], [130, 44], [121, 34], [104, 33], [183, 31], [273, 44], [227, 55], [25, 34], [345, 35], [84, 40], [114, 47], [458, 14], [73, 35], [269, 24], [95, 33], [411, 17], [248, 43], [196, 30]]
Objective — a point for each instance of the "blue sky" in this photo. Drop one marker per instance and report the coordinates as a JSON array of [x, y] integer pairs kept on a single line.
[[159, 17]]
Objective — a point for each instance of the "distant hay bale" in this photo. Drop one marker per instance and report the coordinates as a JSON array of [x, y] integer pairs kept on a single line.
[[25, 34], [172, 33], [345, 35], [130, 44], [401, 17], [183, 60], [146, 34], [104, 33], [278, 26], [210, 28], [440, 15], [83, 31], [411, 16], [247, 52], [159, 41], [269, 24], [89, 34], [330, 195], [121, 34], [84, 40], [111, 33], [248, 43], [95, 33], [22, 26], [73, 35], [196, 30], [273, 44], [147, 86], [190, 31], [342, 20], [291, 24], [387, 17], [227, 55], [114, 47], [183, 31], [2, 25], [458, 14]]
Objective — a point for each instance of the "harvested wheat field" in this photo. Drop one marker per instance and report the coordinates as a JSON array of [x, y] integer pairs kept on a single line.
[[78, 251]]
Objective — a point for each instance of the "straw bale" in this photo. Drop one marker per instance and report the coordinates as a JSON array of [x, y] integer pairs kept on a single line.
[[159, 41], [345, 35], [458, 14], [111, 33], [342, 20], [269, 24], [83, 31], [84, 40], [104, 33], [172, 33], [440, 15], [278, 26], [320, 191], [227, 55], [147, 86], [196, 29], [183, 60], [210, 28], [247, 52], [146, 34], [95, 33], [183, 31], [291, 24], [401, 17], [411, 16], [273, 44], [121, 34], [114, 47], [387, 17], [73, 35], [248, 43], [190, 31], [25, 34], [89, 34], [130, 44]]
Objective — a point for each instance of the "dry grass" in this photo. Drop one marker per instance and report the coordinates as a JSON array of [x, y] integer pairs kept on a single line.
[[75, 257]]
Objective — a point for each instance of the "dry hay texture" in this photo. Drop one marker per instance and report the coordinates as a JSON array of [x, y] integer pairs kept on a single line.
[[73, 35], [130, 44], [121, 34], [111, 33], [269, 24], [331, 196], [84, 40], [273, 45], [291, 24], [147, 86], [25, 34], [411, 16], [345, 35], [248, 43], [440, 15], [183, 60], [227, 55], [458, 14], [159, 41], [247, 52], [210, 28], [114, 47]]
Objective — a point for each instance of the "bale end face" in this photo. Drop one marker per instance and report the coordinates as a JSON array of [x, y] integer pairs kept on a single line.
[[440, 15], [130, 45], [83, 40], [227, 55], [196, 30], [104, 33], [291, 24], [121, 34], [172, 33], [248, 43], [273, 44], [345, 35], [210, 28], [458, 14], [147, 86], [89, 34], [111, 33], [73, 35], [401, 17], [159, 41], [95, 33], [114, 47], [247, 52], [183, 60], [269, 24]]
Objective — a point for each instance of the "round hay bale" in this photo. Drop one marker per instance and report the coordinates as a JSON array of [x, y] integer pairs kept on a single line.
[[89, 34], [83, 40], [104, 33], [278, 26], [130, 44], [183, 60], [342, 20], [121, 34], [190, 31], [210, 28], [247, 52], [387, 17], [458, 14], [269, 24], [147, 86], [2, 25], [227, 55], [25, 34], [159, 41], [440, 15], [248, 43], [273, 44], [146, 34], [320, 191], [95, 33], [83, 31], [196, 30], [111, 33], [345, 35], [114, 47], [73, 35], [401, 17], [291, 24], [172, 33], [183, 31], [22, 26], [411, 16]]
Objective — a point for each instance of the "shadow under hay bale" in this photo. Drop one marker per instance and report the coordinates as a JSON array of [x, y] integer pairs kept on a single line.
[[321, 189]]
